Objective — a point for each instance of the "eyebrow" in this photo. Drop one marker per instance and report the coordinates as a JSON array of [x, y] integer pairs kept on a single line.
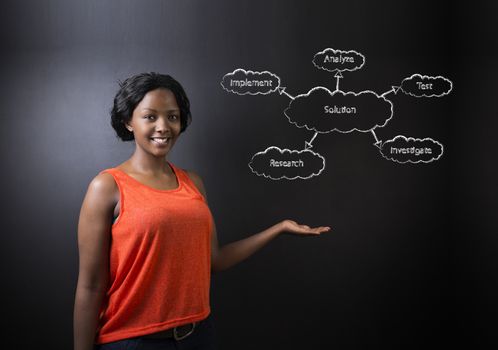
[[169, 110]]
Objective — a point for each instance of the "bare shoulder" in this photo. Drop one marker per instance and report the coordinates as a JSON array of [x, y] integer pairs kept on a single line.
[[197, 180], [103, 188], [103, 182]]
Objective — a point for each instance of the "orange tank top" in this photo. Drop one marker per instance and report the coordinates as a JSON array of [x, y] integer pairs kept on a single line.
[[160, 259]]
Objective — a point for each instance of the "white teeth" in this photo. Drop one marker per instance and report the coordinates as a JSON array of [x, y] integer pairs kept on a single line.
[[160, 139]]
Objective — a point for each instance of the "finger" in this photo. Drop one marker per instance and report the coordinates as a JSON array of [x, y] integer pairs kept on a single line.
[[320, 229], [312, 231], [305, 232], [305, 228]]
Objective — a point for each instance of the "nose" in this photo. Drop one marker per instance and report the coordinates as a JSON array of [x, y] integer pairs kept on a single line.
[[162, 125]]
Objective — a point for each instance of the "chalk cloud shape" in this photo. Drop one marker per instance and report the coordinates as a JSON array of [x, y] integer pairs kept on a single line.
[[440, 86], [330, 60], [248, 82], [308, 111], [411, 144], [314, 164]]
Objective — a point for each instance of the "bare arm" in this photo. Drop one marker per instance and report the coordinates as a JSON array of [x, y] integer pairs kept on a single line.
[[93, 244], [231, 254]]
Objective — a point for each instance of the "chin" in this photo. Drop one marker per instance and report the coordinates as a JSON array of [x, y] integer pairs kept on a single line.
[[161, 153]]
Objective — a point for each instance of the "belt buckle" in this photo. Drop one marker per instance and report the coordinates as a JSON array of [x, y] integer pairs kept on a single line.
[[177, 337]]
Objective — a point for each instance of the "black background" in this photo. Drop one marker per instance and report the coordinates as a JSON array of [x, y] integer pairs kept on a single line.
[[411, 259]]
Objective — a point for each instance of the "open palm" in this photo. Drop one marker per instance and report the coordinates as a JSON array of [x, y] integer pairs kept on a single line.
[[290, 226]]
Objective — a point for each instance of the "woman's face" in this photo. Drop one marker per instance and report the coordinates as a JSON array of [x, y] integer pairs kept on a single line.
[[155, 122]]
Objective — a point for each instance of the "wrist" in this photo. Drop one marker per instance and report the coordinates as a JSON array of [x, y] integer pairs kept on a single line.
[[277, 229]]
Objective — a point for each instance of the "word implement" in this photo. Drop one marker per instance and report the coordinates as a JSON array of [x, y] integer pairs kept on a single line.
[[287, 163], [248, 82]]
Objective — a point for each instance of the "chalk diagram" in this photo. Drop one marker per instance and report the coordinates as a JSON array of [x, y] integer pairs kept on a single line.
[[323, 111]]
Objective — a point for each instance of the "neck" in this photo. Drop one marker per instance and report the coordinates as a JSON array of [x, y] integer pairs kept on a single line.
[[148, 164]]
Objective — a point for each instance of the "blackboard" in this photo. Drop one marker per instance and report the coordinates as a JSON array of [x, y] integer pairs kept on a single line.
[[411, 258]]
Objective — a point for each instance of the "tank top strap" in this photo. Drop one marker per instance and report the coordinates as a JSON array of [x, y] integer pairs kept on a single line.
[[116, 174], [109, 170], [187, 182], [121, 179]]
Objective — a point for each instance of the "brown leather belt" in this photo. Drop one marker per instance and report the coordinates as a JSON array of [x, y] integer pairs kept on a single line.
[[179, 332]]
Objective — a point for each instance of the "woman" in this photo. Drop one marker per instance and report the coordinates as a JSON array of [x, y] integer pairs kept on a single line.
[[147, 240]]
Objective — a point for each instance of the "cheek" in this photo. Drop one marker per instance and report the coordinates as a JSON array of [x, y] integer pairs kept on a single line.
[[178, 128]]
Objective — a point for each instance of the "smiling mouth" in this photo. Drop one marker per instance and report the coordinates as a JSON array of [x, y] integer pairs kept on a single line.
[[161, 140]]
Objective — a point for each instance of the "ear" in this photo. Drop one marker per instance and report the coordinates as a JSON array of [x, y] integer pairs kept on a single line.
[[128, 126]]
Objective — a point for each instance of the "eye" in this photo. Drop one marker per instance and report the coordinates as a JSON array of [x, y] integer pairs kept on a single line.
[[174, 117], [150, 117]]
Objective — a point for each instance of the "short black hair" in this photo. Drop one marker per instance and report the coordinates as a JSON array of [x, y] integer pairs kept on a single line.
[[133, 90]]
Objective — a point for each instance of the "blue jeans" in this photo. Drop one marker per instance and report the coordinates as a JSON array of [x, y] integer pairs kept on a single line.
[[203, 338]]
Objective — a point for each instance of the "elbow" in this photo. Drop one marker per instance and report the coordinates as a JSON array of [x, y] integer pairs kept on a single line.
[[217, 264], [93, 283], [215, 268], [90, 291]]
